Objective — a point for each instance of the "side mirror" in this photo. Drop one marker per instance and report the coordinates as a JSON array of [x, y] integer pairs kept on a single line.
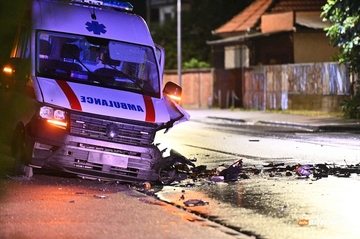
[[173, 91], [15, 68]]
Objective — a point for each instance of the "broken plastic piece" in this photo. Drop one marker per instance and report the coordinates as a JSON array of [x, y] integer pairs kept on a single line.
[[232, 172], [147, 185], [174, 168], [303, 170], [100, 196], [195, 202], [217, 178]]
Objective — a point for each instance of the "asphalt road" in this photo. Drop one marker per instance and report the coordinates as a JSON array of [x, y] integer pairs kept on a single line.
[[59, 206], [271, 204]]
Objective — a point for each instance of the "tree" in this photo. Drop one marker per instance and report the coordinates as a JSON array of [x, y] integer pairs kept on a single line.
[[345, 33]]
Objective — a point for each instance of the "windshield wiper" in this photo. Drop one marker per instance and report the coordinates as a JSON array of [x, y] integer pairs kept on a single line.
[[86, 68], [133, 80]]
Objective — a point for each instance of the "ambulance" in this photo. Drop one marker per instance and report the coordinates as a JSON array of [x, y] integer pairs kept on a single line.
[[83, 92]]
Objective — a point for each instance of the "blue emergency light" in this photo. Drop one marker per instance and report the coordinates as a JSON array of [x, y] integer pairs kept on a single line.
[[125, 6], [119, 5]]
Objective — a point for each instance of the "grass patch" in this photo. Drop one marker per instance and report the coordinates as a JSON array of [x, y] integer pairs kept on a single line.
[[312, 113], [308, 113]]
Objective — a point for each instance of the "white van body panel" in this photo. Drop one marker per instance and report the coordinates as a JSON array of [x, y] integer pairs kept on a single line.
[[59, 16], [103, 101]]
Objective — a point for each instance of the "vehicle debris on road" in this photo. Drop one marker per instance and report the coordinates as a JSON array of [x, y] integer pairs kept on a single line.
[[232, 172], [177, 168], [303, 170], [195, 202]]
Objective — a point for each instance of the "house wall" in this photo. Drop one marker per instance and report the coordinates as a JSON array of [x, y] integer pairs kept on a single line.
[[272, 49], [308, 50]]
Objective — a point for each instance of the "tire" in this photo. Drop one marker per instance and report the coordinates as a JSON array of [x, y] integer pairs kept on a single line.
[[18, 151]]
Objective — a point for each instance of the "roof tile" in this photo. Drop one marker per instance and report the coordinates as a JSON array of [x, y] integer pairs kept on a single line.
[[245, 19], [250, 17]]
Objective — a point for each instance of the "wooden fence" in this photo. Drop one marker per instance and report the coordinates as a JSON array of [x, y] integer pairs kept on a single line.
[[317, 86]]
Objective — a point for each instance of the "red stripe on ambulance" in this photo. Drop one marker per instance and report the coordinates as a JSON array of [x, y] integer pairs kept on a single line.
[[70, 95], [149, 108]]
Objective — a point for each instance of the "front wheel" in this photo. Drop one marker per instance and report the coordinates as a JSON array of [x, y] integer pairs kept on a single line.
[[18, 150]]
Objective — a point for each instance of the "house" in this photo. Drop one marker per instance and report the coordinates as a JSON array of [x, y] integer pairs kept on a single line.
[[279, 33], [161, 11], [273, 32]]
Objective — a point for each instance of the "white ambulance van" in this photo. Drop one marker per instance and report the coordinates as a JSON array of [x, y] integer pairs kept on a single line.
[[82, 91]]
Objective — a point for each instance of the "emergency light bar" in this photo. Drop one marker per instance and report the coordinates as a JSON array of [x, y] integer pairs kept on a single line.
[[107, 3]]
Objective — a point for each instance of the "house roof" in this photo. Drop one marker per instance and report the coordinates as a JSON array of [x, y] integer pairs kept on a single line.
[[246, 19], [250, 18]]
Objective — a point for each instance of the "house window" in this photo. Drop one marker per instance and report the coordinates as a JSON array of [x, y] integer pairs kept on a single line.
[[166, 13], [236, 57]]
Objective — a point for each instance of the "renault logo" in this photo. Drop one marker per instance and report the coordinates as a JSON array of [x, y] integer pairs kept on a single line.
[[112, 130]]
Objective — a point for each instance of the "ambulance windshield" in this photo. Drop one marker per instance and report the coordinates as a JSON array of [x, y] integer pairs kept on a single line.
[[99, 61]]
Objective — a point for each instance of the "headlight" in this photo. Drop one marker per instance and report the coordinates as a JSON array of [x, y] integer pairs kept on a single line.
[[59, 115], [46, 112], [54, 116]]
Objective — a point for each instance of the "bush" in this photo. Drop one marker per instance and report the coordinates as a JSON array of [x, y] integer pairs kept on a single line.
[[351, 107], [194, 63]]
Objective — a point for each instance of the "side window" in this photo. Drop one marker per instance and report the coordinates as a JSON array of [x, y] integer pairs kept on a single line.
[[21, 48]]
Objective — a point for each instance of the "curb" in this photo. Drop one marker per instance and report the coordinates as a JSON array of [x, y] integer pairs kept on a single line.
[[336, 127]]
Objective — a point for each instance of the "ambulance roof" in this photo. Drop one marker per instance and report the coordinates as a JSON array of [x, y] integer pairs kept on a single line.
[[88, 20]]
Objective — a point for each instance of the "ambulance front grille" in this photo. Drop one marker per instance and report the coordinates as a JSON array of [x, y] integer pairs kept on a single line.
[[114, 130]]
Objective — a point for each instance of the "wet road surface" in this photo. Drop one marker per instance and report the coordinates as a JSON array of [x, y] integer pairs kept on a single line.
[[270, 205]]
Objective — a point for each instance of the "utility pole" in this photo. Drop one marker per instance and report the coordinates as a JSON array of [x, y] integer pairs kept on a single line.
[[179, 65], [148, 12]]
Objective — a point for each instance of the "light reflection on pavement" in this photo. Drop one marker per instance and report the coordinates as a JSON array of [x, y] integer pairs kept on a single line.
[[258, 205]]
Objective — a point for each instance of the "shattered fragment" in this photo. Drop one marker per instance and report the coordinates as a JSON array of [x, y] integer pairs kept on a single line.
[[321, 171], [174, 168], [100, 196], [199, 169], [303, 170], [146, 185], [342, 174], [195, 202], [176, 158], [243, 176], [217, 178], [232, 172], [274, 165], [220, 169]]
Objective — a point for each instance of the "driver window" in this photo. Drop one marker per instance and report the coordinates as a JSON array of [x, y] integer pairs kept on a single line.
[[21, 47]]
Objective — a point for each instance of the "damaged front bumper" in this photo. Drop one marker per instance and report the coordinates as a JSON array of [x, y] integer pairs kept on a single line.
[[93, 161], [90, 151]]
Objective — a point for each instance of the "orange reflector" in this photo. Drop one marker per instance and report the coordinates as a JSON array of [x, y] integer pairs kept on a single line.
[[57, 123], [174, 97]]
